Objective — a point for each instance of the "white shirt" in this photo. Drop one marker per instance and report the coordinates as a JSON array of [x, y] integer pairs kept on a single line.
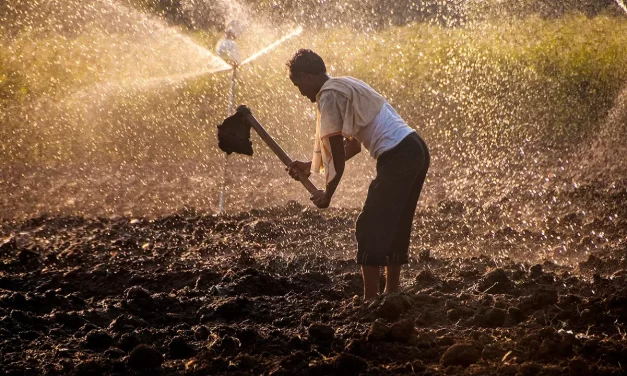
[[386, 131]]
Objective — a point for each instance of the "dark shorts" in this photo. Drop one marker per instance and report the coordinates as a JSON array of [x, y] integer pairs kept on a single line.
[[383, 228]]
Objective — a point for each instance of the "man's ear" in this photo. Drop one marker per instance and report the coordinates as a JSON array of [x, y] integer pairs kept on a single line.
[[306, 77]]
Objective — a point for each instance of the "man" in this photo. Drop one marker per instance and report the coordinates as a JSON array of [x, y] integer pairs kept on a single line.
[[351, 113]]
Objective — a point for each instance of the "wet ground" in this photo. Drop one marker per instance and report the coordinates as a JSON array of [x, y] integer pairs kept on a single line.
[[492, 287]]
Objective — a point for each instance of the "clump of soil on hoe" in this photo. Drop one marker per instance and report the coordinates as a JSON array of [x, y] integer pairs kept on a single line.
[[274, 292]]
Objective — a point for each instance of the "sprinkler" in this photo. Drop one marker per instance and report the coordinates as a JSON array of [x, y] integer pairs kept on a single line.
[[227, 47], [228, 51]]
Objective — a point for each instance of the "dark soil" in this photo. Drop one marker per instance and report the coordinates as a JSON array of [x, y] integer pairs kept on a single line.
[[277, 291]]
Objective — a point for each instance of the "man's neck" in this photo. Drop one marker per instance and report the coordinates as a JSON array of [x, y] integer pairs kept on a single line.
[[325, 78], [321, 80]]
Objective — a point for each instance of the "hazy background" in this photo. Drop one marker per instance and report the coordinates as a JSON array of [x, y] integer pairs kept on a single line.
[[110, 107]]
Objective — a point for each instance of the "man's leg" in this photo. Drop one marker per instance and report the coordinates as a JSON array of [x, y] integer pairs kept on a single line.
[[372, 232], [379, 219], [370, 274], [392, 278], [400, 245]]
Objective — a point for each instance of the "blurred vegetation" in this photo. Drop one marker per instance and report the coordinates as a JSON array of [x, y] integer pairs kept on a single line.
[[199, 14], [364, 14], [469, 90]]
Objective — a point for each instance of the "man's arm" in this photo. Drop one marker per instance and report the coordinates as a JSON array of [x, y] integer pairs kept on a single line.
[[322, 199], [339, 159]]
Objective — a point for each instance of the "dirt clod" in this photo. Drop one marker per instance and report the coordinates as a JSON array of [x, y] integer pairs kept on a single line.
[[378, 330], [392, 307], [321, 332], [98, 340], [578, 367], [496, 282], [201, 332], [145, 357], [461, 354], [179, 348], [348, 364], [402, 331]]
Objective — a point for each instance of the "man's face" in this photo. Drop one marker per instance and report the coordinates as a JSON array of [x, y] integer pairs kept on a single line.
[[305, 84]]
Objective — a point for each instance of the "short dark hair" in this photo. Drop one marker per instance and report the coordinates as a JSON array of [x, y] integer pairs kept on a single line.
[[306, 61]]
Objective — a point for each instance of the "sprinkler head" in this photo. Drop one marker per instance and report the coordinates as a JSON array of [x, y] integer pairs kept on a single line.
[[228, 51]]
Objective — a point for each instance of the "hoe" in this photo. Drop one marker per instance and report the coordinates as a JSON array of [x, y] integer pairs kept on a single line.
[[234, 136]]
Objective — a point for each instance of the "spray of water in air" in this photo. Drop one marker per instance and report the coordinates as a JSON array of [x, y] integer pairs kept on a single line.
[[198, 60], [227, 48], [110, 108], [274, 45]]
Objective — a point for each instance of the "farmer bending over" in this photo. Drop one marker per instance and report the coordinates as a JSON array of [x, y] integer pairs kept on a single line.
[[351, 113]]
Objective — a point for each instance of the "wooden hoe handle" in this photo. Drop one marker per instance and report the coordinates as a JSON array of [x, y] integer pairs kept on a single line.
[[275, 147]]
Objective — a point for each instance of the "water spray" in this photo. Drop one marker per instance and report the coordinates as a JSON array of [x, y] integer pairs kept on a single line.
[[158, 31], [227, 49], [226, 158], [267, 49]]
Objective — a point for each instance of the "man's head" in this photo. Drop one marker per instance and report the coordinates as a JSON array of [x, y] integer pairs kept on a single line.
[[307, 72]]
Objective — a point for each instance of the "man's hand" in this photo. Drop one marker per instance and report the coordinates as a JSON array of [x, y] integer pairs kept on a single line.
[[297, 166], [320, 199]]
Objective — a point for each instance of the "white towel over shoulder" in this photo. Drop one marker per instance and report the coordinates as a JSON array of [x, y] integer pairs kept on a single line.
[[345, 105]]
